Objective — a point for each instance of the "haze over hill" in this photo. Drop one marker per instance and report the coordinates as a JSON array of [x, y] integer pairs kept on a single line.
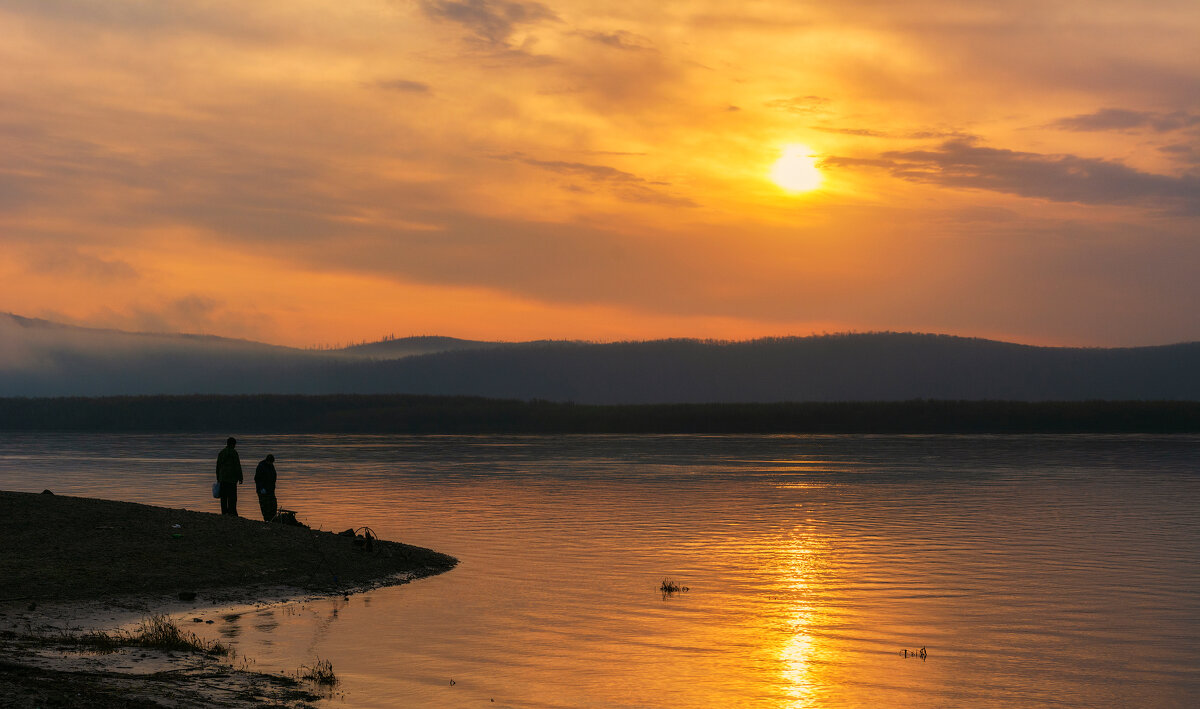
[[40, 358], [396, 347]]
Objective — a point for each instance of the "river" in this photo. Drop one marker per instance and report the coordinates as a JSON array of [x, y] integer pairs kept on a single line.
[[1036, 571]]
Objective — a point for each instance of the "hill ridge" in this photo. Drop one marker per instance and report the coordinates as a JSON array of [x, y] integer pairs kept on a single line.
[[875, 366]]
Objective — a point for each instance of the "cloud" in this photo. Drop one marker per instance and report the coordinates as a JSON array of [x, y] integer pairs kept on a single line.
[[1122, 119], [215, 19], [1183, 152], [581, 262], [189, 313], [404, 86], [903, 135], [646, 195], [863, 132], [69, 262], [628, 186], [620, 39], [1059, 178], [800, 104], [596, 172], [305, 139], [493, 21], [614, 152]]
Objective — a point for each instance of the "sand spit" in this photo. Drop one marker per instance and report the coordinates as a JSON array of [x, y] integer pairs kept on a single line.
[[76, 565]]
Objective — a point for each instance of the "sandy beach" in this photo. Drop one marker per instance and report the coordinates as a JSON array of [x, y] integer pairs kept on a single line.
[[75, 566]]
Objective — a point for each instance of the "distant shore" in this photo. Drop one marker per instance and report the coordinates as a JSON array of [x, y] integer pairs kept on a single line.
[[413, 414], [62, 554]]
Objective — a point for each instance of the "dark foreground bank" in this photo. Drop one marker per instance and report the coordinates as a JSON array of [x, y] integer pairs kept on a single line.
[[406, 414], [63, 554], [59, 548]]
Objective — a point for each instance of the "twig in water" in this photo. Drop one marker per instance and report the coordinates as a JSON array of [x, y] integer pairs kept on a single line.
[[668, 587]]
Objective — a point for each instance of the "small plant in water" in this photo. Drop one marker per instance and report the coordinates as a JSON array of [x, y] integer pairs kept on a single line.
[[320, 673], [669, 586], [158, 632]]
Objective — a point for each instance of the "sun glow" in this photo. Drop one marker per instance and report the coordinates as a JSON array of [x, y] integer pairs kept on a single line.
[[796, 170]]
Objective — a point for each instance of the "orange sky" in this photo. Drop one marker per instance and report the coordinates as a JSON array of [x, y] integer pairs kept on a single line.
[[311, 173]]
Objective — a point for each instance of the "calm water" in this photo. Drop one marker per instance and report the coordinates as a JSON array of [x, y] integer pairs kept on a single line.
[[1039, 571]]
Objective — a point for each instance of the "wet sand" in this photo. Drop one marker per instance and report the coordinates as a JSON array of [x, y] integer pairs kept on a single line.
[[74, 565]]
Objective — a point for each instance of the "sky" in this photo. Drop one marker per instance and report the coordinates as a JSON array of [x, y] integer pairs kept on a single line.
[[314, 173]]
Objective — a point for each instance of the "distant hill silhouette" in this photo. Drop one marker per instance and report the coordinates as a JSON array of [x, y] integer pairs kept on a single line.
[[396, 347], [870, 367], [38, 358]]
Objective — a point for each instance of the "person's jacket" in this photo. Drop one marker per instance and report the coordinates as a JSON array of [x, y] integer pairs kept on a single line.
[[229, 466], [264, 476]]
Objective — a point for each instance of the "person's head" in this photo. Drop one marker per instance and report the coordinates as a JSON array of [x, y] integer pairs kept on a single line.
[[270, 457], [231, 441]]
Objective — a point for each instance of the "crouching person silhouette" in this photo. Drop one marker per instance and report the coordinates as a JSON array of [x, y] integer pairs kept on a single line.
[[229, 475], [264, 482]]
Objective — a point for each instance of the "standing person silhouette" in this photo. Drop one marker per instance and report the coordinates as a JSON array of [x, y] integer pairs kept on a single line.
[[264, 482], [229, 474]]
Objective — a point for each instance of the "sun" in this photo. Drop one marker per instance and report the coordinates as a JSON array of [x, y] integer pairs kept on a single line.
[[796, 170]]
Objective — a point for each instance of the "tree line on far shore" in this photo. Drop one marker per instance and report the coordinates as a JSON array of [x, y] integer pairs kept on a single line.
[[413, 414]]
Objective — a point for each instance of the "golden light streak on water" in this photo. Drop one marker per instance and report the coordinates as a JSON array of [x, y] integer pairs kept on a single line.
[[799, 648]]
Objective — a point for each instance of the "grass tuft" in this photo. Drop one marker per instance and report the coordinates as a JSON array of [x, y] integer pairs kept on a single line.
[[158, 632], [320, 672]]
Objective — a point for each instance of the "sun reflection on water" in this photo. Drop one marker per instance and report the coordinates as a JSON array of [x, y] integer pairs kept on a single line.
[[802, 563]]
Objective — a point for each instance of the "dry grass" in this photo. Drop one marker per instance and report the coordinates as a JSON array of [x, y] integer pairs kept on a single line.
[[321, 672], [158, 632]]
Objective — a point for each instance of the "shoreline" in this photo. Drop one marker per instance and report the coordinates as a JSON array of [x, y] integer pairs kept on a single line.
[[411, 414], [80, 565]]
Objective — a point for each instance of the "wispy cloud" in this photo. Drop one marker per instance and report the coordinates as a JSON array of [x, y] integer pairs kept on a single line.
[[902, 135], [1123, 119], [127, 15], [403, 86], [492, 21], [1059, 178], [619, 39], [70, 262], [1183, 152], [627, 185], [800, 104], [596, 172], [190, 313]]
